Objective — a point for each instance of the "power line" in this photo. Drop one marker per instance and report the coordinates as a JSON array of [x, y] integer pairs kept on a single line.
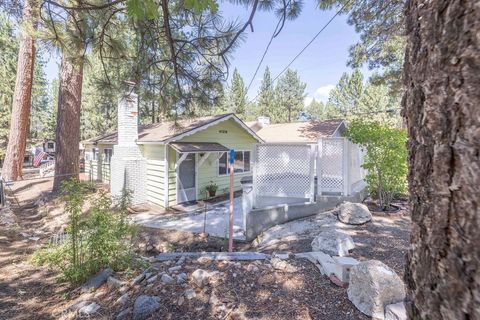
[[307, 45], [274, 34]]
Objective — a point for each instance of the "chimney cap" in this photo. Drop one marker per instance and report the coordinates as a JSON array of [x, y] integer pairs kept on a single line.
[[129, 85]]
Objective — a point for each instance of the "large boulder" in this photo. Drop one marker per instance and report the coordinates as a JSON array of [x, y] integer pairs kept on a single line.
[[145, 306], [354, 213], [373, 286], [333, 242]]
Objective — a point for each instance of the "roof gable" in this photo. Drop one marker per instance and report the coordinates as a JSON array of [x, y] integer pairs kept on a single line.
[[170, 131]]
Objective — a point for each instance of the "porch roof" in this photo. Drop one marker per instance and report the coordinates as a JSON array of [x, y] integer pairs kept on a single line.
[[198, 147]]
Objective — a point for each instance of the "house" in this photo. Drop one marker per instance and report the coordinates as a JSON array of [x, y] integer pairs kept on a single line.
[[170, 162], [48, 146], [297, 132]]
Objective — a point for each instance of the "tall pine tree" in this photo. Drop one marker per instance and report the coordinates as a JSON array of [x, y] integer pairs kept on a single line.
[[236, 97], [289, 98], [266, 95]]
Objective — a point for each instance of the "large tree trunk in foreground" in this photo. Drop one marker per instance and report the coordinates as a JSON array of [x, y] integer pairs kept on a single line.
[[68, 121], [22, 96], [442, 107]]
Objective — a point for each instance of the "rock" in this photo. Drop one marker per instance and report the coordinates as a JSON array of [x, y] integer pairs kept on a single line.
[[166, 279], [124, 314], [200, 277], [139, 278], [343, 266], [173, 269], [144, 306], [152, 279], [333, 278], [326, 262], [180, 261], [97, 280], [181, 300], [182, 278], [123, 299], [333, 242], [396, 311], [252, 268], [124, 289], [282, 265], [190, 294], [373, 286], [354, 213], [89, 310], [113, 282], [78, 305]]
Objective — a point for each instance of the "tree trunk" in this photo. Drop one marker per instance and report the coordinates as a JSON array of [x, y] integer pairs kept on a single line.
[[22, 96], [68, 121], [442, 109]]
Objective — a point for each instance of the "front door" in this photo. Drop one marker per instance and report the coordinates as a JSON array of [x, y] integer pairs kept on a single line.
[[186, 187]]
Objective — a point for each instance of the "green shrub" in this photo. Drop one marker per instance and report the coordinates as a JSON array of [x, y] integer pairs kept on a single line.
[[99, 238], [385, 159]]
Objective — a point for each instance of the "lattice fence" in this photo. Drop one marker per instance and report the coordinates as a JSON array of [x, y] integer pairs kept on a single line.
[[284, 170], [331, 165]]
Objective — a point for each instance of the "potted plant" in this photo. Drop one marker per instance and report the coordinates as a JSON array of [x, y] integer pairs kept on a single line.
[[211, 189]]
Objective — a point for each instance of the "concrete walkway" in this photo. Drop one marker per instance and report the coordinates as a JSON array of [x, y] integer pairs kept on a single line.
[[216, 220]]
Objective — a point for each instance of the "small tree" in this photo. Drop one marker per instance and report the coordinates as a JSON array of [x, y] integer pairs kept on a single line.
[[385, 159]]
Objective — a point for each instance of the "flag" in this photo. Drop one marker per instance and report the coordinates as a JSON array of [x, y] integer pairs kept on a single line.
[[39, 154]]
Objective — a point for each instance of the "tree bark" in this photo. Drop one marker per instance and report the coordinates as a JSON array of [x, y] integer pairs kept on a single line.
[[22, 96], [68, 121], [442, 109]]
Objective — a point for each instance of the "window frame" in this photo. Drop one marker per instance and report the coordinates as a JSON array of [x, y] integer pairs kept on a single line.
[[104, 154], [228, 165], [94, 154]]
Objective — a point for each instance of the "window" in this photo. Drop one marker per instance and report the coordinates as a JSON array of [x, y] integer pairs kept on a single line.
[[107, 155], [50, 145], [241, 162], [94, 154]]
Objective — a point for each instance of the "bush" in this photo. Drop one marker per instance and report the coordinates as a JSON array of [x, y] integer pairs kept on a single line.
[[385, 159], [99, 238]]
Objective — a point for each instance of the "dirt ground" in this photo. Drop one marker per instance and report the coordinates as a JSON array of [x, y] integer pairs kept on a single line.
[[30, 292]]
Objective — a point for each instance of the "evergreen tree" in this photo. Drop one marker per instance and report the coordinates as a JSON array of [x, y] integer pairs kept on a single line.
[[8, 66], [345, 97], [237, 101], [266, 95], [315, 110], [40, 101], [382, 46], [289, 97]]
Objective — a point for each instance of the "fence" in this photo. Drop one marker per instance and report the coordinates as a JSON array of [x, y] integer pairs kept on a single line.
[[285, 173]]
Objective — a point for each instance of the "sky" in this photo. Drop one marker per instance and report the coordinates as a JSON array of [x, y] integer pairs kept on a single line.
[[320, 66]]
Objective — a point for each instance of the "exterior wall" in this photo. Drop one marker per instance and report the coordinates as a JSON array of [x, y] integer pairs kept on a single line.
[[156, 168], [98, 169], [231, 135]]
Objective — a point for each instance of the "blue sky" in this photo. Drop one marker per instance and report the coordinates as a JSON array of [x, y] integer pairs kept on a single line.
[[320, 66]]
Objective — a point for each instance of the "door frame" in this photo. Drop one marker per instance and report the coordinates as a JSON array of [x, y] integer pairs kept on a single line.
[[177, 174]]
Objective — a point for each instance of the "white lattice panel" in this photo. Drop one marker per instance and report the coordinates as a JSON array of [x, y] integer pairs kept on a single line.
[[283, 170], [331, 165]]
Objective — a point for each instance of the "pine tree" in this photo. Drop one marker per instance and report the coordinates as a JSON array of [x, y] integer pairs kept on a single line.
[[8, 61], [237, 101], [345, 97], [289, 98], [22, 96], [316, 110], [266, 95]]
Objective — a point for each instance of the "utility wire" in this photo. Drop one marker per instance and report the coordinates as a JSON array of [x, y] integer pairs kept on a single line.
[[307, 45], [274, 34]]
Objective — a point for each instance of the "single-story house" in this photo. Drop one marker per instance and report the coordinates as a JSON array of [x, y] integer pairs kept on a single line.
[[182, 157], [297, 132]]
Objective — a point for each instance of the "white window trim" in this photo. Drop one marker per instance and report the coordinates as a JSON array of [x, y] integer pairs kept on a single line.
[[228, 166]]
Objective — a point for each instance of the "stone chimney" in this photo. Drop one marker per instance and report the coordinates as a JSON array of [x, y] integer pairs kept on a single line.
[[128, 166], [263, 121]]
